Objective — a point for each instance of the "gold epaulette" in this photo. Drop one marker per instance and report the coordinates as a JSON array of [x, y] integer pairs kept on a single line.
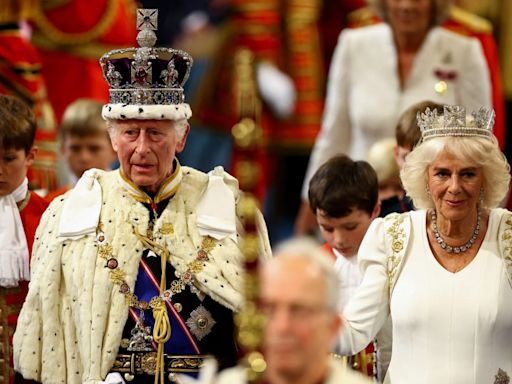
[[362, 17], [470, 20], [12, 11]]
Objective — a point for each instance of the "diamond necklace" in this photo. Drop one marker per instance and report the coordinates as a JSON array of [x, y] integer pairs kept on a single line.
[[459, 249]]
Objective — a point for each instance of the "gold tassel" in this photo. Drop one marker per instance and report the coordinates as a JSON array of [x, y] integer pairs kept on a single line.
[[162, 328]]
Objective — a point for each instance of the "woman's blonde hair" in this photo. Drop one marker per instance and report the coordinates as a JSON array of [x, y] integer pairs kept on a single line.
[[483, 152], [440, 12]]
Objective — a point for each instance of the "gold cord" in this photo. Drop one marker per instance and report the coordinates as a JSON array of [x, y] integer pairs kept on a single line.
[[162, 328]]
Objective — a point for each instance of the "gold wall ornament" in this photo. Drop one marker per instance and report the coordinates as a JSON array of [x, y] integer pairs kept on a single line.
[[248, 173], [250, 321], [247, 134], [250, 324], [251, 247], [248, 144], [247, 207]]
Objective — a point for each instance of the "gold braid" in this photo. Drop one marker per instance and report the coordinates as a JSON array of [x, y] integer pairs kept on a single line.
[[162, 328]]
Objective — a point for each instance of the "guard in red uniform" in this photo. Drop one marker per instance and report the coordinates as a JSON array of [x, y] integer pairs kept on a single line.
[[20, 75], [75, 33]]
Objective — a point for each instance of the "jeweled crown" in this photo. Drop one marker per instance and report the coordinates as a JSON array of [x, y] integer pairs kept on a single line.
[[148, 78], [455, 122]]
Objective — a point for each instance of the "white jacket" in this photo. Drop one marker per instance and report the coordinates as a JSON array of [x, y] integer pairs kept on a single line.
[[364, 97]]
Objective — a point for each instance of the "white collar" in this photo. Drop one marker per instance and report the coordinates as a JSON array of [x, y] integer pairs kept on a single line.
[[14, 256]]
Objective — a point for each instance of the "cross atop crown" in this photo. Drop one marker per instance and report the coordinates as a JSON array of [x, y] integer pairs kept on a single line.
[[147, 19]]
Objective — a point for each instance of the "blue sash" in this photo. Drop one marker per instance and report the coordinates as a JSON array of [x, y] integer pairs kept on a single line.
[[182, 342]]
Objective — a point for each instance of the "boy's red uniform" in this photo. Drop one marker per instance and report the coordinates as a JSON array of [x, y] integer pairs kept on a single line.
[[11, 299]]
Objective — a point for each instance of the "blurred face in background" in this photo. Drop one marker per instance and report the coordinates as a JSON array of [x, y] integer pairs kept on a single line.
[[409, 17], [300, 327], [85, 152]]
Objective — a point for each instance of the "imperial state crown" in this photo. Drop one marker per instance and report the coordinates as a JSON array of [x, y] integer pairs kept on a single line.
[[146, 82]]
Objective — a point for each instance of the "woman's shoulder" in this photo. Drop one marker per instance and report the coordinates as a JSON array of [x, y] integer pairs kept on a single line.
[[450, 37], [500, 217]]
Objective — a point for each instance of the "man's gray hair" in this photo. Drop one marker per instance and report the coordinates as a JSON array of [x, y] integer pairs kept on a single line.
[[306, 248]]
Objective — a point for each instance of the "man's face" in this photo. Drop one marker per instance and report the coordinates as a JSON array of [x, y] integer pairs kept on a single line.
[[83, 153], [300, 328], [146, 150], [14, 165], [346, 233]]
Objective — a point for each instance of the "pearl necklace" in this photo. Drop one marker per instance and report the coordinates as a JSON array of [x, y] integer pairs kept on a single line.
[[459, 249]]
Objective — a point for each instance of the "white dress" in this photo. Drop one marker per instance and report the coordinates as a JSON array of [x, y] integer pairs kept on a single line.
[[453, 328], [364, 96]]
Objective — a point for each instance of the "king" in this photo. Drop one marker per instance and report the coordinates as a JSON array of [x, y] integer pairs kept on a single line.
[[136, 273]]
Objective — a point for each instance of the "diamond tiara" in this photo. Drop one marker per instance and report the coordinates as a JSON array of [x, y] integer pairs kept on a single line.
[[455, 122]]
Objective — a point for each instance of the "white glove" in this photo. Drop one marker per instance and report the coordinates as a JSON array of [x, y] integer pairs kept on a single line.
[[114, 378], [81, 210], [276, 89]]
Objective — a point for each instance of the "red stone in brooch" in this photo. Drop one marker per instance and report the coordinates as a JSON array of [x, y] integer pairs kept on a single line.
[[445, 75]]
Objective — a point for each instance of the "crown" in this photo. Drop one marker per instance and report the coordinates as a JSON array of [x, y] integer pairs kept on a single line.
[[146, 82], [455, 122]]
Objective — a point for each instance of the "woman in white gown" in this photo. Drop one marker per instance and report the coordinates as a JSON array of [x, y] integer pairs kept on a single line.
[[444, 272]]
